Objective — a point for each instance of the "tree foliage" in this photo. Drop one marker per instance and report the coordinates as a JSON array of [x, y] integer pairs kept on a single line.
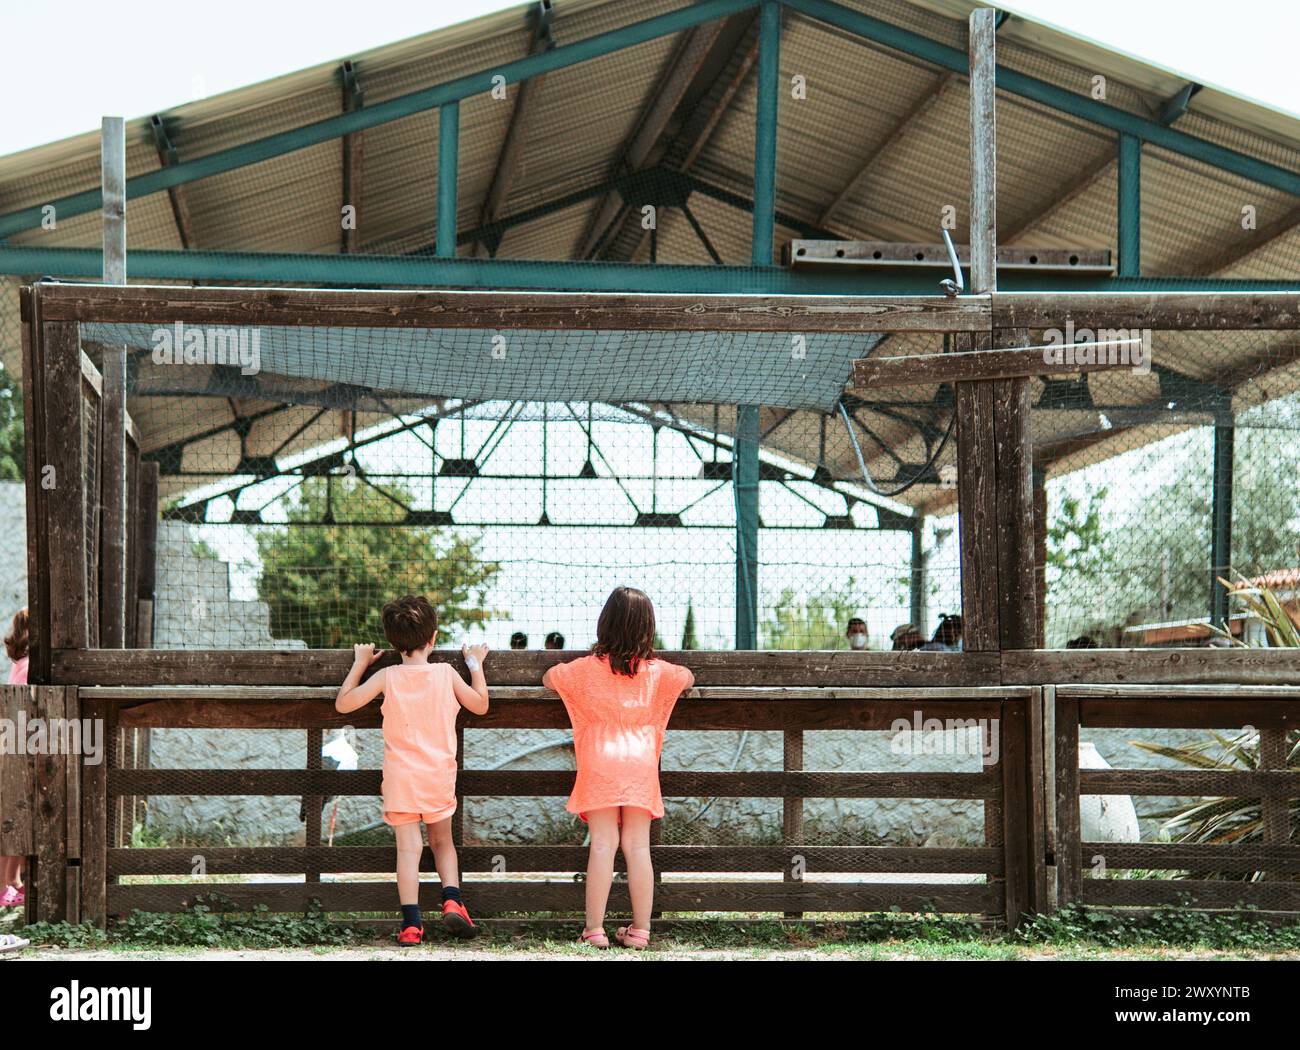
[[12, 445], [326, 584], [816, 621]]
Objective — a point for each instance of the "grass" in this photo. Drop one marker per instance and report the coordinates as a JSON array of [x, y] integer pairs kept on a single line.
[[1072, 933]]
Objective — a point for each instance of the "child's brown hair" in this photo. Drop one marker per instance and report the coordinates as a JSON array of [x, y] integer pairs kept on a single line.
[[19, 638], [410, 623], [625, 631]]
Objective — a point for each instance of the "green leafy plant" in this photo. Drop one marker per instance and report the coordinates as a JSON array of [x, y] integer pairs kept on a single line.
[[326, 584], [1233, 820]]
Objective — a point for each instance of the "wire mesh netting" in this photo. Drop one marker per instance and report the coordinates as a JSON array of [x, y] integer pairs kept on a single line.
[[296, 501]]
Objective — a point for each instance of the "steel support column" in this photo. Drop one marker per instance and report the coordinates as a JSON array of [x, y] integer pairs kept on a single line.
[[1221, 520], [448, 165], [1130, 206], [745, 470]]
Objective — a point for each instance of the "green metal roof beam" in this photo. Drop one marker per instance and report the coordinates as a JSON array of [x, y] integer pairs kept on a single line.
[[385, 112], [377, 271], [1058, 98]]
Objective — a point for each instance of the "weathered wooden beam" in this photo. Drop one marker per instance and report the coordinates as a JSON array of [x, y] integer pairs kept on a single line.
[[492, 894], [329, 667], [971, 365], [1154, 310], [557, 782], [1076, 669], [977, 506], [603, 311], [289, 860]]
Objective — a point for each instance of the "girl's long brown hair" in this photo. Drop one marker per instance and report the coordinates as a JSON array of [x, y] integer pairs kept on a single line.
[[19, 638], [625, 631]]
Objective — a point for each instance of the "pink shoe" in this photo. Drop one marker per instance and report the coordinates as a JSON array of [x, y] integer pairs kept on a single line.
[[12, 897]]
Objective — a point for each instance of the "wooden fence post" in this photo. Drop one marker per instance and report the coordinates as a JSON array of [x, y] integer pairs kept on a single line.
[[1069, 848], [34, 795]]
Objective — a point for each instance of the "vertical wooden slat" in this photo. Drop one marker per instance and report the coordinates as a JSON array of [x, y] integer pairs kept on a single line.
[[314, 804], [131, 581], [51, 812], [94, 823], [1036, 787], [64, 498], [977, 508], [38, 546], [792, 808], [72, 825], [1017, 839], [1017, 577], [1039, 482], [113, 502], [17, 783], [1069, 850], [1049, 769], [994, 827]]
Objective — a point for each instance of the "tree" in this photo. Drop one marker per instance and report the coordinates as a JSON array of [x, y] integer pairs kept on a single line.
[[688, 631], [327, 584], [13, 457], [1150, 560], [814, 622]]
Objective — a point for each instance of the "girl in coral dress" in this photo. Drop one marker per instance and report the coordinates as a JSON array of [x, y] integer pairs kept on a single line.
[[619, 699]]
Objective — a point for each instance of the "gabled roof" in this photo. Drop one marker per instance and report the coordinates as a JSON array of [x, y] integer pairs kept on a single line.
[[876, 148]]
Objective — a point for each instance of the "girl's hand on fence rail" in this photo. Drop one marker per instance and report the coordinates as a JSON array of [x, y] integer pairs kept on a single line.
[[478, 652], [364, 653]]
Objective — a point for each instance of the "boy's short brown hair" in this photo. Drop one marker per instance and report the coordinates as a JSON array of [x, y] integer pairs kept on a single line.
[[410, 623]]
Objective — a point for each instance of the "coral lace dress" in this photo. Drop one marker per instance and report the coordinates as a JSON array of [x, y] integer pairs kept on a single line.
[[618, 730]]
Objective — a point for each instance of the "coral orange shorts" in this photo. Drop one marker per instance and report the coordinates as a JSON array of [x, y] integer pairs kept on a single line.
[[396, 819]]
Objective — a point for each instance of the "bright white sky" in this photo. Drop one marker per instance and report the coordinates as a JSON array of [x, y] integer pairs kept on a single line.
[[81, 60]]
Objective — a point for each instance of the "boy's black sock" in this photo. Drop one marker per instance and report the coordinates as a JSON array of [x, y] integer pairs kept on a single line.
[[411, 916], [451, 893]]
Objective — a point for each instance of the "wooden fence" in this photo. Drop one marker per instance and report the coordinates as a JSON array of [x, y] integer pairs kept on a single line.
[[996, 878], [1267, 852]]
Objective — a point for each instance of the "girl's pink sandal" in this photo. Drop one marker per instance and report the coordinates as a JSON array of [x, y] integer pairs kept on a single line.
[[631, 937], [596, 938]]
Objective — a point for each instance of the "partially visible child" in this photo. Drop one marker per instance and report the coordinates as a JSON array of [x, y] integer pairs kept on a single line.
[[17, 644], [619, 700], [421, 702]]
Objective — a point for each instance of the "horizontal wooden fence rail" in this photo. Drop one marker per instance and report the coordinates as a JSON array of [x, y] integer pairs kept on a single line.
[[994, 878], [1089, 872]]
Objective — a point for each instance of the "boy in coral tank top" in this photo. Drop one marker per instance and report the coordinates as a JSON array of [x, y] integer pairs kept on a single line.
[[619, 700], [421, 702]]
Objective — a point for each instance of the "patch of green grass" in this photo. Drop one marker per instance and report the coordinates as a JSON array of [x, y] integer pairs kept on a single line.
[[1169, 926], [1071, 933]]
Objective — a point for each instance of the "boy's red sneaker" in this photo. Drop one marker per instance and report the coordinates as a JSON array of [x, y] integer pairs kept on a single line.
[[410, 936], [457, 920]]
